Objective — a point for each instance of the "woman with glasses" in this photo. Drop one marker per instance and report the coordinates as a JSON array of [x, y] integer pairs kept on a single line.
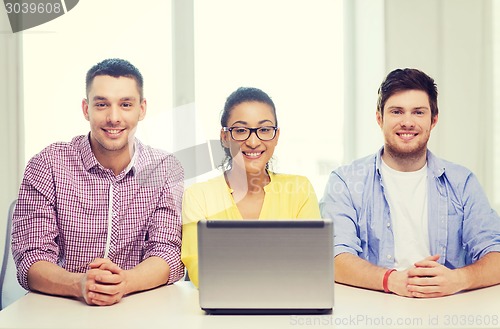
[[247, 189]]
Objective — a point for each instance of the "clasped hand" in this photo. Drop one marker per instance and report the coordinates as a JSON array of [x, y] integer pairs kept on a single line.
[[104, 283], [426, 279]]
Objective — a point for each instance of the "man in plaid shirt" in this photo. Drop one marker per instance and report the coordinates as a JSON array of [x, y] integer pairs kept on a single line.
[[100, 217]]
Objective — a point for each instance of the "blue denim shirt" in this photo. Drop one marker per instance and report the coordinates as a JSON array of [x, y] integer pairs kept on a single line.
[[462, 225]]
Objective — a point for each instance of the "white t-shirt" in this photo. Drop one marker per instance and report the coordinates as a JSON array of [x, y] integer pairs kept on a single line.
[[406, 194]]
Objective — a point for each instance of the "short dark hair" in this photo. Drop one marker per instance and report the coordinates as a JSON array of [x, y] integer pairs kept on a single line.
[[407, 79], [116, 68], [242, 95]]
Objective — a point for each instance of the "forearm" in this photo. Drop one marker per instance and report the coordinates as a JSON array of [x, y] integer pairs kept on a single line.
[[150, 273], [483, 273], [354, 271], [49, 278]]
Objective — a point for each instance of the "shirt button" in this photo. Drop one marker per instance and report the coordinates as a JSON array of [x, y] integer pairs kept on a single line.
[[389, 257], [388, 224]]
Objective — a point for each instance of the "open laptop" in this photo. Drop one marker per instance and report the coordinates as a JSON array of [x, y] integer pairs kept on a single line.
[[265, 266]]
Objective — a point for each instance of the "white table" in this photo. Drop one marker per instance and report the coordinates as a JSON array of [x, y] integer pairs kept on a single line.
[[176, 306]]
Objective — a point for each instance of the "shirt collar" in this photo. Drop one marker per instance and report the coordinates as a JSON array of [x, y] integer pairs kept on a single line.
[[434, 164], [378, 160], [90, 161], [132, 165], [271, 181], [88, 157]]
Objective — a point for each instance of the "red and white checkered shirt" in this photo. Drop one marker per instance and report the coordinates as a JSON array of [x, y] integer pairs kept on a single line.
[[64, 205]]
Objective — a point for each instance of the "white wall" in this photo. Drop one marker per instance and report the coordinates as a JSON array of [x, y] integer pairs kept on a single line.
[[364, 64], [451, 41], [11, 123], [496, 100]]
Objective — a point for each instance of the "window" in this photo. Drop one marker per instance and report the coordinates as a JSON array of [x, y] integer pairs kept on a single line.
[[58, 54], [292, 50]]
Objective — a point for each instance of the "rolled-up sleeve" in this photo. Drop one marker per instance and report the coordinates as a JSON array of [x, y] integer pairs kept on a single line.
[[481, 226], [165, 229], [337, 205], [34, 224]]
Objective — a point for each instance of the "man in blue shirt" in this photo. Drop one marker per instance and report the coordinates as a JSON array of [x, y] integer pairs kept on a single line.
[[406, 221]]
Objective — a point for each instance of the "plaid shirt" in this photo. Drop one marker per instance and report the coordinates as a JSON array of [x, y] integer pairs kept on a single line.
[[64, 205]]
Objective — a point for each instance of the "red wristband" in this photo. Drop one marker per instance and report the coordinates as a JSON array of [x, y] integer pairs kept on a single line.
[[386, 279]]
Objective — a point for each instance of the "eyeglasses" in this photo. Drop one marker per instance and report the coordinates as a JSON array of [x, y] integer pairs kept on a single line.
[[241, 134]]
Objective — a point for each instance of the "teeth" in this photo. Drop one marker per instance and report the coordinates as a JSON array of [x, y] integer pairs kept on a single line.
[[253, 154], [407, 135], [113, 131]]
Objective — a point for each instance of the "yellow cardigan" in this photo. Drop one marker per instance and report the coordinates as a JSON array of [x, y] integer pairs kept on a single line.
[[286, 197]]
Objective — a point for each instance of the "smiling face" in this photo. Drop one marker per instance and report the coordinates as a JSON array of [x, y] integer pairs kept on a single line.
[[113, 107], [253, 154], [406, 124]]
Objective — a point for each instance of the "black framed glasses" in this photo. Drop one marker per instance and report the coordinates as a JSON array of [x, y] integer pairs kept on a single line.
[[241, 134]]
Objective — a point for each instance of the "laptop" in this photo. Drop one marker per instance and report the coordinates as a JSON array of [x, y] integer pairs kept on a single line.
[[265, 266]]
